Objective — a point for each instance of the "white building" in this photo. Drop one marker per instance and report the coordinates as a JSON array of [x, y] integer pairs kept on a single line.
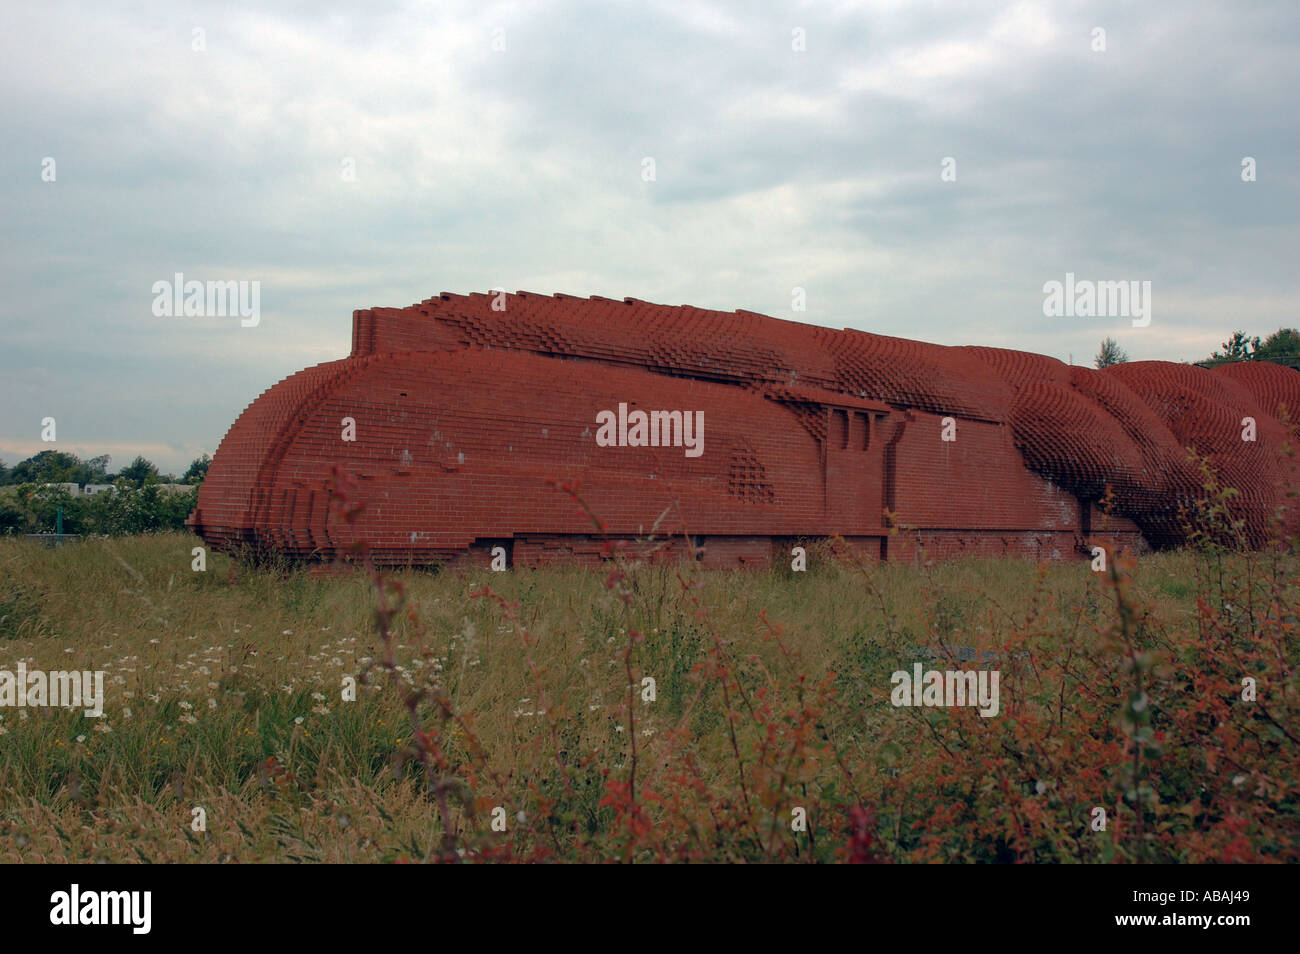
[[74, 489]]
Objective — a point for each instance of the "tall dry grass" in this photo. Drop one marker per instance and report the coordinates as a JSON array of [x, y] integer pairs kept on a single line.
[[519, 699]]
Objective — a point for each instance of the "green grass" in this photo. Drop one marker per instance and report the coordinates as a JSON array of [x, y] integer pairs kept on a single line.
[[224, 690]]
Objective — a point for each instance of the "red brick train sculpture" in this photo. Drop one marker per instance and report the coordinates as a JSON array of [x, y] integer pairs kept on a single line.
[[746, 432]]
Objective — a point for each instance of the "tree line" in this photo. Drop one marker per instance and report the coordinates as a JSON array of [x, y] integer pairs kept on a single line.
[[1281, 347], [60, 467], [32, 499]]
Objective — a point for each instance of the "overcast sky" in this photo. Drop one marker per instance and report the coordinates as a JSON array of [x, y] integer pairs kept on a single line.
[[504, 146]]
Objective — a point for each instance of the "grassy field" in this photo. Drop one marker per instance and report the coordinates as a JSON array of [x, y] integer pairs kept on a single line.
[[507, 716]]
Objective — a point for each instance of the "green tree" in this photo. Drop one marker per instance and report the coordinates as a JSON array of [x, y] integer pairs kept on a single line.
[[11, 516], [41, 504], [1111, 353], [198, 470], [1281, 347], [139, 472], [1236, 348], [49, 467]]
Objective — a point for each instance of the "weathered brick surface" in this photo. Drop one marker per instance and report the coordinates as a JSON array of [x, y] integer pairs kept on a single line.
[[463, 412]]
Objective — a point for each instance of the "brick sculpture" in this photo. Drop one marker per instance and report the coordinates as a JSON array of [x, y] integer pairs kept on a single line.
[[462, 408]]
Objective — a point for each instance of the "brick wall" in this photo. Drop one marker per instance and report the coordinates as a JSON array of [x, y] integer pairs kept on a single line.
[[463, 414]]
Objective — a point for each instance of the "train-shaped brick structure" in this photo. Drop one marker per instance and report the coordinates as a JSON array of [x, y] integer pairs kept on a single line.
[[453, 420]]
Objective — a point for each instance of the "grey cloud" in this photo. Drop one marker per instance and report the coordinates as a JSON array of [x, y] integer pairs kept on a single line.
[[523, 169]]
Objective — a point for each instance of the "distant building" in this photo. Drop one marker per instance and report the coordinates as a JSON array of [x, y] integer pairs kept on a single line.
[[91, 490], [74, 489]]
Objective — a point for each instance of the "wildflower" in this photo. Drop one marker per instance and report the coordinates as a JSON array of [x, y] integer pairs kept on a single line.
[[126, 713], [186, 705], [318, 696], [154, 697], [297, 720], [618, 728], [3, 730], [188, 719], [287, 632], [321, 710], [103, 728], [212, 703], [155, 641], [81, 738]]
